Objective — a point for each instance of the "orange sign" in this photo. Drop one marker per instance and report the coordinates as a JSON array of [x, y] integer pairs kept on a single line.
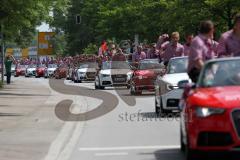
[[44, 43], [25, 52]]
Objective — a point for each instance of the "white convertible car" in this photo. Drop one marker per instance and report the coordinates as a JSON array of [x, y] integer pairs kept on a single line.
[[86, 72], [114, 73], [167, 92], [31, 70], [49, 72]]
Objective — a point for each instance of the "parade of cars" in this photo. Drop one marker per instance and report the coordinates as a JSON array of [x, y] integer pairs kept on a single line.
[[213, 101]]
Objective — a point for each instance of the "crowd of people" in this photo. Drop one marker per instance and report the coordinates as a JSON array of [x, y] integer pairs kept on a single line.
[[199, 49]]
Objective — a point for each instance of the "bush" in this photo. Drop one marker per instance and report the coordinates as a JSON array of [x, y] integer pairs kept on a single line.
[[91, 49]]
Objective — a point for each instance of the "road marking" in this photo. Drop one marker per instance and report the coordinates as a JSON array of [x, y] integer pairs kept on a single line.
[[130, 148], [111, 154]]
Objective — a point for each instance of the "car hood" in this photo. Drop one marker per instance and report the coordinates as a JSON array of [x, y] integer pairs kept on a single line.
[[175, 78], [51, 69], [87, 70], [115, 71], [31, 69], [218, 96], [152, 72]]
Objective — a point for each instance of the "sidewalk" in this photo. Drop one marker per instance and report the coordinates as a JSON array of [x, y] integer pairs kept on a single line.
[[28, 124]]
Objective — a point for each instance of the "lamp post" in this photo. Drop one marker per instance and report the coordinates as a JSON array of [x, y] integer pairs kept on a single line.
[[3, 15], [2, 51]]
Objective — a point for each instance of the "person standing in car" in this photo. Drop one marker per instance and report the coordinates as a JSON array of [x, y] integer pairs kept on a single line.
[[202, 49], [172, 49], [188, 38], [8, 65], [229, 43], [139, 55]]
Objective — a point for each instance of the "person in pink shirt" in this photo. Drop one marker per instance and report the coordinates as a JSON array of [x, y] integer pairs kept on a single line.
[[229, 43], [162, 39], [188, 38], [202, 49], [153, 53], [172, 49], [139, 55]]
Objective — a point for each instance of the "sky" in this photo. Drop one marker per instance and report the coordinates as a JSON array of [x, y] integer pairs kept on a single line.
[[44, 28]]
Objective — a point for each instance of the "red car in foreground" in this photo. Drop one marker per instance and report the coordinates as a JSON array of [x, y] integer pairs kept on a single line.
[[40, 70], [20, 70], [143, 77], [210, 118]]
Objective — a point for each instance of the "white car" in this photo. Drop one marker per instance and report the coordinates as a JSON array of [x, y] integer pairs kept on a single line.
[[31, 70], [13, 69], [167, 92], [113, 73], [86, 72], [49, 72]]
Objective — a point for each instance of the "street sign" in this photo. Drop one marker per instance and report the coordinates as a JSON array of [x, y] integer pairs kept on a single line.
[[45, 46]]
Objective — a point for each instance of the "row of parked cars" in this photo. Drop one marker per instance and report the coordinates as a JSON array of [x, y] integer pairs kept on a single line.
[[34, 70]]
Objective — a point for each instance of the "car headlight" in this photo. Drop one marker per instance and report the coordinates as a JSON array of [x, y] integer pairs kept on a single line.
[[204, 112], [171, 87], [129, 76]]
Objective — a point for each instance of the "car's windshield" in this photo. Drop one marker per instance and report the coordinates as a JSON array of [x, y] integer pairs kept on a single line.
[[32, 66], [41, 65], [52, 66], [21, 66], [89, 65], [115, 65], [178, 65], [221, 73], [149, 65]]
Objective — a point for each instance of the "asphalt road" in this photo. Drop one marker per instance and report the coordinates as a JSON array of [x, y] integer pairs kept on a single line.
[[126, 132]]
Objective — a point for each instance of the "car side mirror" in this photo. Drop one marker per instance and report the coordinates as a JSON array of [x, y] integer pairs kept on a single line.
[[182, 84]]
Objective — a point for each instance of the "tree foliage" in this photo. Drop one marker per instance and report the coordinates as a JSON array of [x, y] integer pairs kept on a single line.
[[90, 49], [112, 19], [20, 18]]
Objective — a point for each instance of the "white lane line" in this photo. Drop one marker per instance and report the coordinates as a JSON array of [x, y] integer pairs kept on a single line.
[[130, 148], [111, 154]]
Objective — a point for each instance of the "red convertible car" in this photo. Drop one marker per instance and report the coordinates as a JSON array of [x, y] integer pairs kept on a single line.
[[61, 71], [40, 70], [210, 117], [143, 77], [20, 70]]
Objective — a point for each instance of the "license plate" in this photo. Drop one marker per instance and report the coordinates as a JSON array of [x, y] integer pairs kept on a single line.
[[119, 79]]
